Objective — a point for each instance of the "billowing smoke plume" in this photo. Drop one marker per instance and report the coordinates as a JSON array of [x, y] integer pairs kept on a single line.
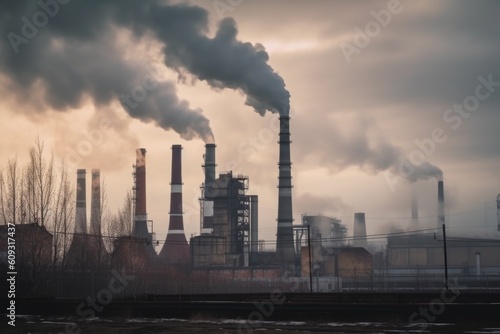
[[56, 54], [414, 172], [312, 204], [340, 147]]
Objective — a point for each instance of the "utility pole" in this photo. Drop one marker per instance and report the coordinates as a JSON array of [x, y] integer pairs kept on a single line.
[[445, 258], [310, 258]]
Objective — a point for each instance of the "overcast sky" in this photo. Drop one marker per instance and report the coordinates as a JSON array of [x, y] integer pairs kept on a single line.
[[369, 85]]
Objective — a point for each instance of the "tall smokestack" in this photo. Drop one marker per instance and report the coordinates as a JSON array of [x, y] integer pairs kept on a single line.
[[440, 204], [208, 192], [414, 207], [96, 245], [81, 202], [140, 229], [176, 249], [498, 212], [77, 252], [359, 231], [284, 244], [95, 204], [254, 224]]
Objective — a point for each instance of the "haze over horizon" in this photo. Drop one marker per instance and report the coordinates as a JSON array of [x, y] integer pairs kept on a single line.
[[369, 87]]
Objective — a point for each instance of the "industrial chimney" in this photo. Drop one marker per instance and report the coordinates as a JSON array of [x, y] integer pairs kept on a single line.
[[96, 245], [77, 250], [498, 212], [254, 223], [140, 229], [414, 207], [284, 244], [359, 232], [95, 203], [440, 204], [176, 249], [208, 190], [81, 202]]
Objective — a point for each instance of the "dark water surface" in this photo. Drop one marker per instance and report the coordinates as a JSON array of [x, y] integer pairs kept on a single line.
[[37, 324]]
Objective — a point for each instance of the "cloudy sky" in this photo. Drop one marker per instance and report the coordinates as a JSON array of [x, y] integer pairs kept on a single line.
[[381, 94]]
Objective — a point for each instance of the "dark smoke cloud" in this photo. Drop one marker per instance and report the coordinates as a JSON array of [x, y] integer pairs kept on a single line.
[[76, 56], [225, 62]]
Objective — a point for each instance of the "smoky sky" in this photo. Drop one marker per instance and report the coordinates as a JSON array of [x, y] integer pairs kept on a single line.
[[70, 52]]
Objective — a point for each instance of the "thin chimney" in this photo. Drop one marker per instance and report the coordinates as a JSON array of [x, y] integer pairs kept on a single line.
[[208, 189], [97, 249], [81, 202], [414, 207], [140, 229], [498, 212], [284, 246], [440, 204], [95, 204]]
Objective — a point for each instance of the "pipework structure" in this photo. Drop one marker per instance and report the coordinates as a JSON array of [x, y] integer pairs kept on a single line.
[[232, 216]]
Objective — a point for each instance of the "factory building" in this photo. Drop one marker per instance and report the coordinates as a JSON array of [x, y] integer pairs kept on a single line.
[[329, 254], [424, 254], [468, 253], [33, 246], [229, 241]]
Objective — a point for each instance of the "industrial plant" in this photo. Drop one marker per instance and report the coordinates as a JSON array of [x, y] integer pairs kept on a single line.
[[316, 254]]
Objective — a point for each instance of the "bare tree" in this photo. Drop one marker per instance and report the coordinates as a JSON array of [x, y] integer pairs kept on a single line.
[[120, 224], [42, 178], [63, 214], [10, 199]]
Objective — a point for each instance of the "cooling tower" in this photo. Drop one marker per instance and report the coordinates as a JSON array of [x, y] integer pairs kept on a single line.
[[284, 244], [440, 204], [498, 212], [359, 233], [176, 249], [140, 229], [208, 193]]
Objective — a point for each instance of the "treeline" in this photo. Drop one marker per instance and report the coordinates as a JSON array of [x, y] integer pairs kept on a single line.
[[41, 191]]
